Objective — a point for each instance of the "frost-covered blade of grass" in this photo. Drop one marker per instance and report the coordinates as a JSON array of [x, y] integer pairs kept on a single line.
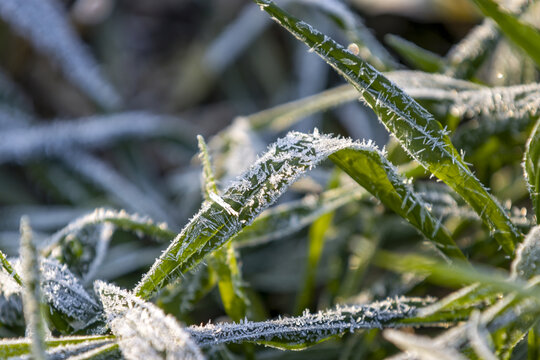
[[45, 140], [223, 261], [144, 332], [524, 35], [45, 24], [17, 347], [260, 186], [11, 307], [120, 219], [421, 347], [64, 292], [285, 219], [370, 49], [465, 58], [494, 111], [9, 269], [31, 294], [531, 167], [308, 329], [419, 58], [412, 125]]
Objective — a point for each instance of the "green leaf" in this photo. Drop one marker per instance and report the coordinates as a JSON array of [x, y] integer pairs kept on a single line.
[[419, 58], [411, 124], [370, 49], [297, 333], [317, 236], [455, 275], [524, 35], [35, 325], [268, 178], [142, 329], [16, 347], [531, 166], [223, 261], [9, 269]]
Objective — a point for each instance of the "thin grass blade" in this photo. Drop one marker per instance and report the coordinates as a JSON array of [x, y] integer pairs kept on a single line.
[[531, 167], [412, 125]]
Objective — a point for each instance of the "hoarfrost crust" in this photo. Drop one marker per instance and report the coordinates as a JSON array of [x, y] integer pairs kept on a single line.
[[143, 330], [308, 328]]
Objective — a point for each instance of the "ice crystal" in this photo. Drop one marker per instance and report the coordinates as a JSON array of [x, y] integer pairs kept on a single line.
[[308, 328], [44, 23], [143, 330]]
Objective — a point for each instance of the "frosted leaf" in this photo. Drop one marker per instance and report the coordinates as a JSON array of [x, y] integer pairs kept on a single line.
[[49, 139], [527, 261], [143, 330], [234, 149], [91, 234], [465, 57], [414, 127], [45, 24], [421, 347], [298, 332], [31, 293], [122, 219], [11, 308], [65, 293], [267, 179], [479, 337]]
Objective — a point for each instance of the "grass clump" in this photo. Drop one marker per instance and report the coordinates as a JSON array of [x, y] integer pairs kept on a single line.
[[425, 240]]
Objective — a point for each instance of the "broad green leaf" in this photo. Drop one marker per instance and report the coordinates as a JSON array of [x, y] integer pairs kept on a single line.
[[296, 333], [268, 178], [411, 124], [16, 347], [524, 35], [142, 329], [531, 166], [419, 58], [31, 295]]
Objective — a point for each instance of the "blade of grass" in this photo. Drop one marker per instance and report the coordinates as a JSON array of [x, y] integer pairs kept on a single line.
[[317, 236], [223, 261], [297, 333], [35, 325], [9, 269], [412, 125], [17, 347], [142, 329], [419, 58], [531, 167], [268, 178], [524, 35]]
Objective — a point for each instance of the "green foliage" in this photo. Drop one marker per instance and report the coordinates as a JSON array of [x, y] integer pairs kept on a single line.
[[354, 238]]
